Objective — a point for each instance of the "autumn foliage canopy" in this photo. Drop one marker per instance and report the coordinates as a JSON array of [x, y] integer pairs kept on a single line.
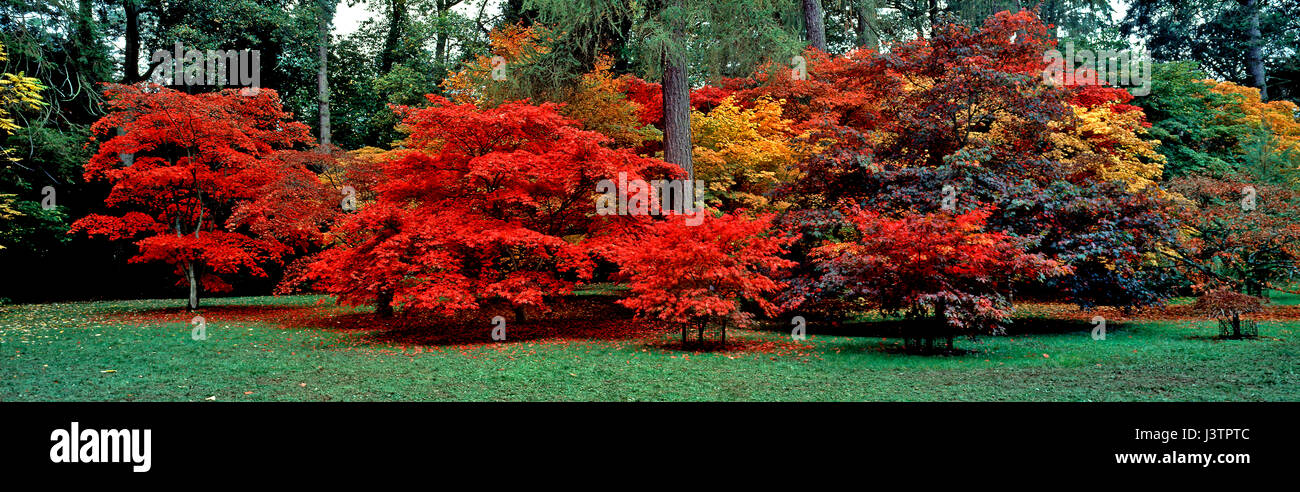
[[932, 182], [200, 182], [481, 205]]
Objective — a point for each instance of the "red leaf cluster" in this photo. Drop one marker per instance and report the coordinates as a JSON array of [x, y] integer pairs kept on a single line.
[[482, 205], [201, 181], [682, 273], [933, 265]]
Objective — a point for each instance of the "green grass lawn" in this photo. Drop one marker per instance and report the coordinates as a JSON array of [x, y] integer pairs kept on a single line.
[[291, 348]]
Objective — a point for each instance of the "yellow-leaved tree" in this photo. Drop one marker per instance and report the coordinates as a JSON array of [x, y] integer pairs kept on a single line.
[[17, 91], [1105, 140], [1267, 133], [744, 153], [1276, 117]]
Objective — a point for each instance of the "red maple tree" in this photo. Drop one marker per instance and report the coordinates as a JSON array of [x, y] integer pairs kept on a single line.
[[934, 267], [693, 274], [481, 205], [200, 182]]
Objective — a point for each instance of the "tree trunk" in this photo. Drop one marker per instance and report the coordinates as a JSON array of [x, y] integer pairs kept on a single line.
[[131, 69], [868, 25], [940, 326], [933, 15], [193, 278], [384, 303], [1251, 287], [322, 72], [1236, 325], [1255, 56], [440, 52], [677, 108], [441, 40], [521, 316], [814, 20], [396, 18]]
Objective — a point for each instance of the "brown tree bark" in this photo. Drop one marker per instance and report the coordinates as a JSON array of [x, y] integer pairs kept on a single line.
[[815, 21], [397, 17], [131, 68], [322, 72], [677, 107], [1255, 55]]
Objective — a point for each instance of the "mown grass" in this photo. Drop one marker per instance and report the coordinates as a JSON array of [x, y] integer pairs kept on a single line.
[[293, 349]]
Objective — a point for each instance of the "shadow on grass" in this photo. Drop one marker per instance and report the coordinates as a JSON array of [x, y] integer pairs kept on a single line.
[[891, 346], [583, 317], [936, 351], [588, 317], [580, 317], [1050, 326], [464, 332], [897, 328], [572, 318]]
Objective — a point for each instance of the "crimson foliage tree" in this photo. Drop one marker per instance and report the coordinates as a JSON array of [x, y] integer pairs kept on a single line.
[[693, 274], [196, 179], [481, 206], [962, 121], [934, 267]]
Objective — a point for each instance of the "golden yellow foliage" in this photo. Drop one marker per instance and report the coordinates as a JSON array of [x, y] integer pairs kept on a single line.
[[1276, 117], [7, 210], [16, 90], [743, 154], [1107, 144]]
